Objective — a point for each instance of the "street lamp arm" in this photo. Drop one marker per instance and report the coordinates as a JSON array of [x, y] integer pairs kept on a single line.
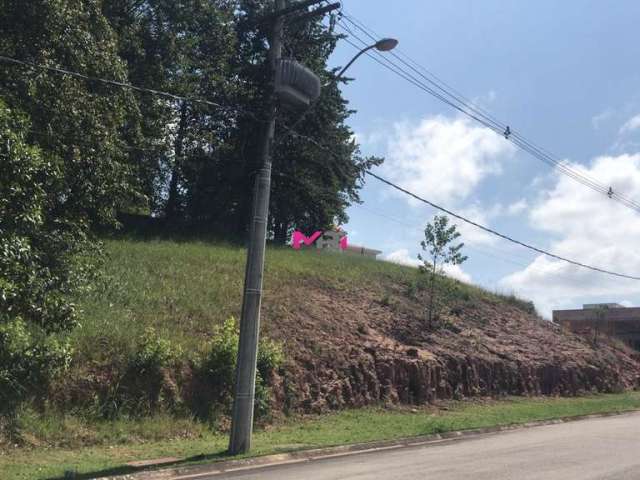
[[382, 45], [364, 50]]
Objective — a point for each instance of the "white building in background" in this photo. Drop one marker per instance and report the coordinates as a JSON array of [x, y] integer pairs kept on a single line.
[[337, 240]]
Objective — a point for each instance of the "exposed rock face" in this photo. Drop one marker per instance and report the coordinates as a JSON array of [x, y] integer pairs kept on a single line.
[[347, 349]]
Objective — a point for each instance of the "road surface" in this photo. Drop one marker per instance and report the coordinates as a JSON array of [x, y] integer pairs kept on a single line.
[[603, 448]]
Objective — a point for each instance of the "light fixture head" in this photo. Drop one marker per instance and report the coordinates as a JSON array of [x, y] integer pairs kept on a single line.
[[386, 44]]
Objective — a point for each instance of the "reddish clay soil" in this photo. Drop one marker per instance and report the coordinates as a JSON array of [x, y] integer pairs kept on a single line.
[[350, 348]]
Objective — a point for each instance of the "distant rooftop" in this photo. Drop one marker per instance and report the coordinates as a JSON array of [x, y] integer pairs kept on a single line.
[[592, 306]]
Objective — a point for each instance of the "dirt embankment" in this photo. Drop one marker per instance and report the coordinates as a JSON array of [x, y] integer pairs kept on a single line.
[[358, 347]]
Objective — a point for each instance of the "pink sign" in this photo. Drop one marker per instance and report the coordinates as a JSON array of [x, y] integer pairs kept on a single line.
[[299, 237]]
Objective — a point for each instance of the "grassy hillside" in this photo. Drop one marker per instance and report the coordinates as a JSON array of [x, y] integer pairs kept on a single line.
[[183, 289], [157, 338], [153, 358], [352, 329]]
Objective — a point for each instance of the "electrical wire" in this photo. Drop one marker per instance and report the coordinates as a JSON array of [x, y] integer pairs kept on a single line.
[[446, 89], [534, 151], [503, 236], [495, 125], [449, 96], [115, 83], [471, 222], [466, 245], [319, 145]]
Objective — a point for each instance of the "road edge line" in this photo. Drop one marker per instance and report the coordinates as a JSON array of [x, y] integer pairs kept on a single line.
[[300, 456]]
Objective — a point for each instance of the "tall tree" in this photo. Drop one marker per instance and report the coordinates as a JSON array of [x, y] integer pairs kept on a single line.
[[63, 172], [83, 122], [43, 259], [183, 48], [311, 187]]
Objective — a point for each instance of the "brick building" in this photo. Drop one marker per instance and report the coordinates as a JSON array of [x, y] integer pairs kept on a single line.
[[603, 318]]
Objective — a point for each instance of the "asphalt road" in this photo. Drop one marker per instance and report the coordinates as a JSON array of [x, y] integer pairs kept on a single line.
[[603, 448]]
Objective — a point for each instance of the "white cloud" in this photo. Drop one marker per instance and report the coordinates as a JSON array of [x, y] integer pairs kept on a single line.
[[455, 271], [630, 125], [587, 227], [403, 257], [599, 119], [443, 159], [518, 207]]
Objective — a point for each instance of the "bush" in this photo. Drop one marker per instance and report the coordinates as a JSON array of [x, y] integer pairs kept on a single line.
[[28, 360], [524, 305], [143, 382], [216, 373], [148, 385], [153, 354]]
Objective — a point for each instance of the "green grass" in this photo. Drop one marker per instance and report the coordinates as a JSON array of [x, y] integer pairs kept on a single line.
[[117, 445], [184, 288]]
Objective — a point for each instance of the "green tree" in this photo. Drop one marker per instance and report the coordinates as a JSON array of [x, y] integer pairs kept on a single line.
[[439, 245], [43, 259], [311, 188], [81, 122], [183, 48], [64, 173]]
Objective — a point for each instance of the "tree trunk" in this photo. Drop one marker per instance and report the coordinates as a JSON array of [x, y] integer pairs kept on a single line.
[[172, 208], [280, 234], [431, 293]]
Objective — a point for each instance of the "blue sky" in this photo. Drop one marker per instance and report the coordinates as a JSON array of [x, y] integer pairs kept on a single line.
[[564, 74]]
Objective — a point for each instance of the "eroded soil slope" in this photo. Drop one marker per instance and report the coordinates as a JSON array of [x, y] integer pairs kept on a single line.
[[366, 344]]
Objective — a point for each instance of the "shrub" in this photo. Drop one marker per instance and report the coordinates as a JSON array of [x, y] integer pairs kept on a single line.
[[216, 373], [525, 305], [28, 359], [144, 382], [147, 383], [153, 354]]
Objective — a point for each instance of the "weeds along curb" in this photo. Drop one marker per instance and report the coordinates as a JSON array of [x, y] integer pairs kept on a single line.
[[300, 456]]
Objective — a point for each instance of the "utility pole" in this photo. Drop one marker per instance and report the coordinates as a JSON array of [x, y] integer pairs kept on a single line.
[[242, 419], [243, 404]]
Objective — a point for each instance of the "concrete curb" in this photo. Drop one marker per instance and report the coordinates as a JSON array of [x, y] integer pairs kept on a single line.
[[230, 466]]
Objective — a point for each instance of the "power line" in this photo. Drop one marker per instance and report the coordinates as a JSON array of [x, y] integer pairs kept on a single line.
[[316, 143], [466, 245], [463, 105], [173, 96], [486, 251], [498, 234], [116, 83], [499, 127], [493, 125], [471, 222]]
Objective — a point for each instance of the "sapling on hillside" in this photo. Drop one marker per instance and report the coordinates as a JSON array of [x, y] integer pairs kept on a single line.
[[439, 238]]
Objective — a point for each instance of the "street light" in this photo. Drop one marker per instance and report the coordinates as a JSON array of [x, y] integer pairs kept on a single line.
[[383, 45], [297, 86]]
